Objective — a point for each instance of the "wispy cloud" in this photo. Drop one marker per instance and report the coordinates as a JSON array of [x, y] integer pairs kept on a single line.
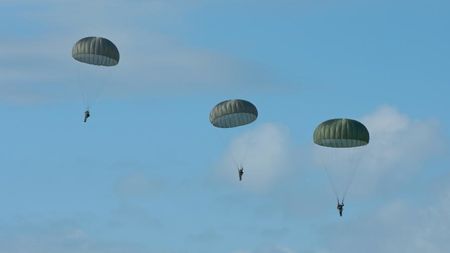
[[40, 64]]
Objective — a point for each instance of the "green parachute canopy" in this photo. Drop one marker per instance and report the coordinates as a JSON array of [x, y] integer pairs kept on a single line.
[[233, 113], [341, 133], [96, 51]]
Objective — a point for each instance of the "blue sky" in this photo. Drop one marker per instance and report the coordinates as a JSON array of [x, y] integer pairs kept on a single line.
[[148, 173]]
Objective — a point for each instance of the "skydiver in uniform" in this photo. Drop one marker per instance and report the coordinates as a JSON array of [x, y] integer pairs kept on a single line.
[[86, 115], [340, 207], [241, 172]]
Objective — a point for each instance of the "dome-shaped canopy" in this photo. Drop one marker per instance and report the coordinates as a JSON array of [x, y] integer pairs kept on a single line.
[[96, 51], [233, 113], [341, 133]]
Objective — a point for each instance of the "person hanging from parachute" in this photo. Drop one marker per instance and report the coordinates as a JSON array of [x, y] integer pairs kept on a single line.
[[87, 114], [343, 139], [95, 51], [233, 113], [340, 207], [241, 172]]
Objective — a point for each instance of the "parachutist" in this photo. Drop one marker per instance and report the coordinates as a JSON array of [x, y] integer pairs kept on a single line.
[[86, 115], [341, 134], [231, 114], [94, 51], [241, 173], [340, 207]]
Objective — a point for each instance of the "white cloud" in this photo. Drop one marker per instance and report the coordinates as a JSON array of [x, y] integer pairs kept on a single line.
[[396, 139], [265, 152], [398, 148], [399, 145], [397, 154]]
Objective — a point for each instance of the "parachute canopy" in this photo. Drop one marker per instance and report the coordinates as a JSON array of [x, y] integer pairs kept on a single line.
[[96, 51], [341, 133], [233, 113]]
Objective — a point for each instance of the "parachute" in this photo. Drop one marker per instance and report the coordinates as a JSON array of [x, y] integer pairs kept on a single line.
[[341, 133], [96, 52], [340, 147], [231, 114]]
